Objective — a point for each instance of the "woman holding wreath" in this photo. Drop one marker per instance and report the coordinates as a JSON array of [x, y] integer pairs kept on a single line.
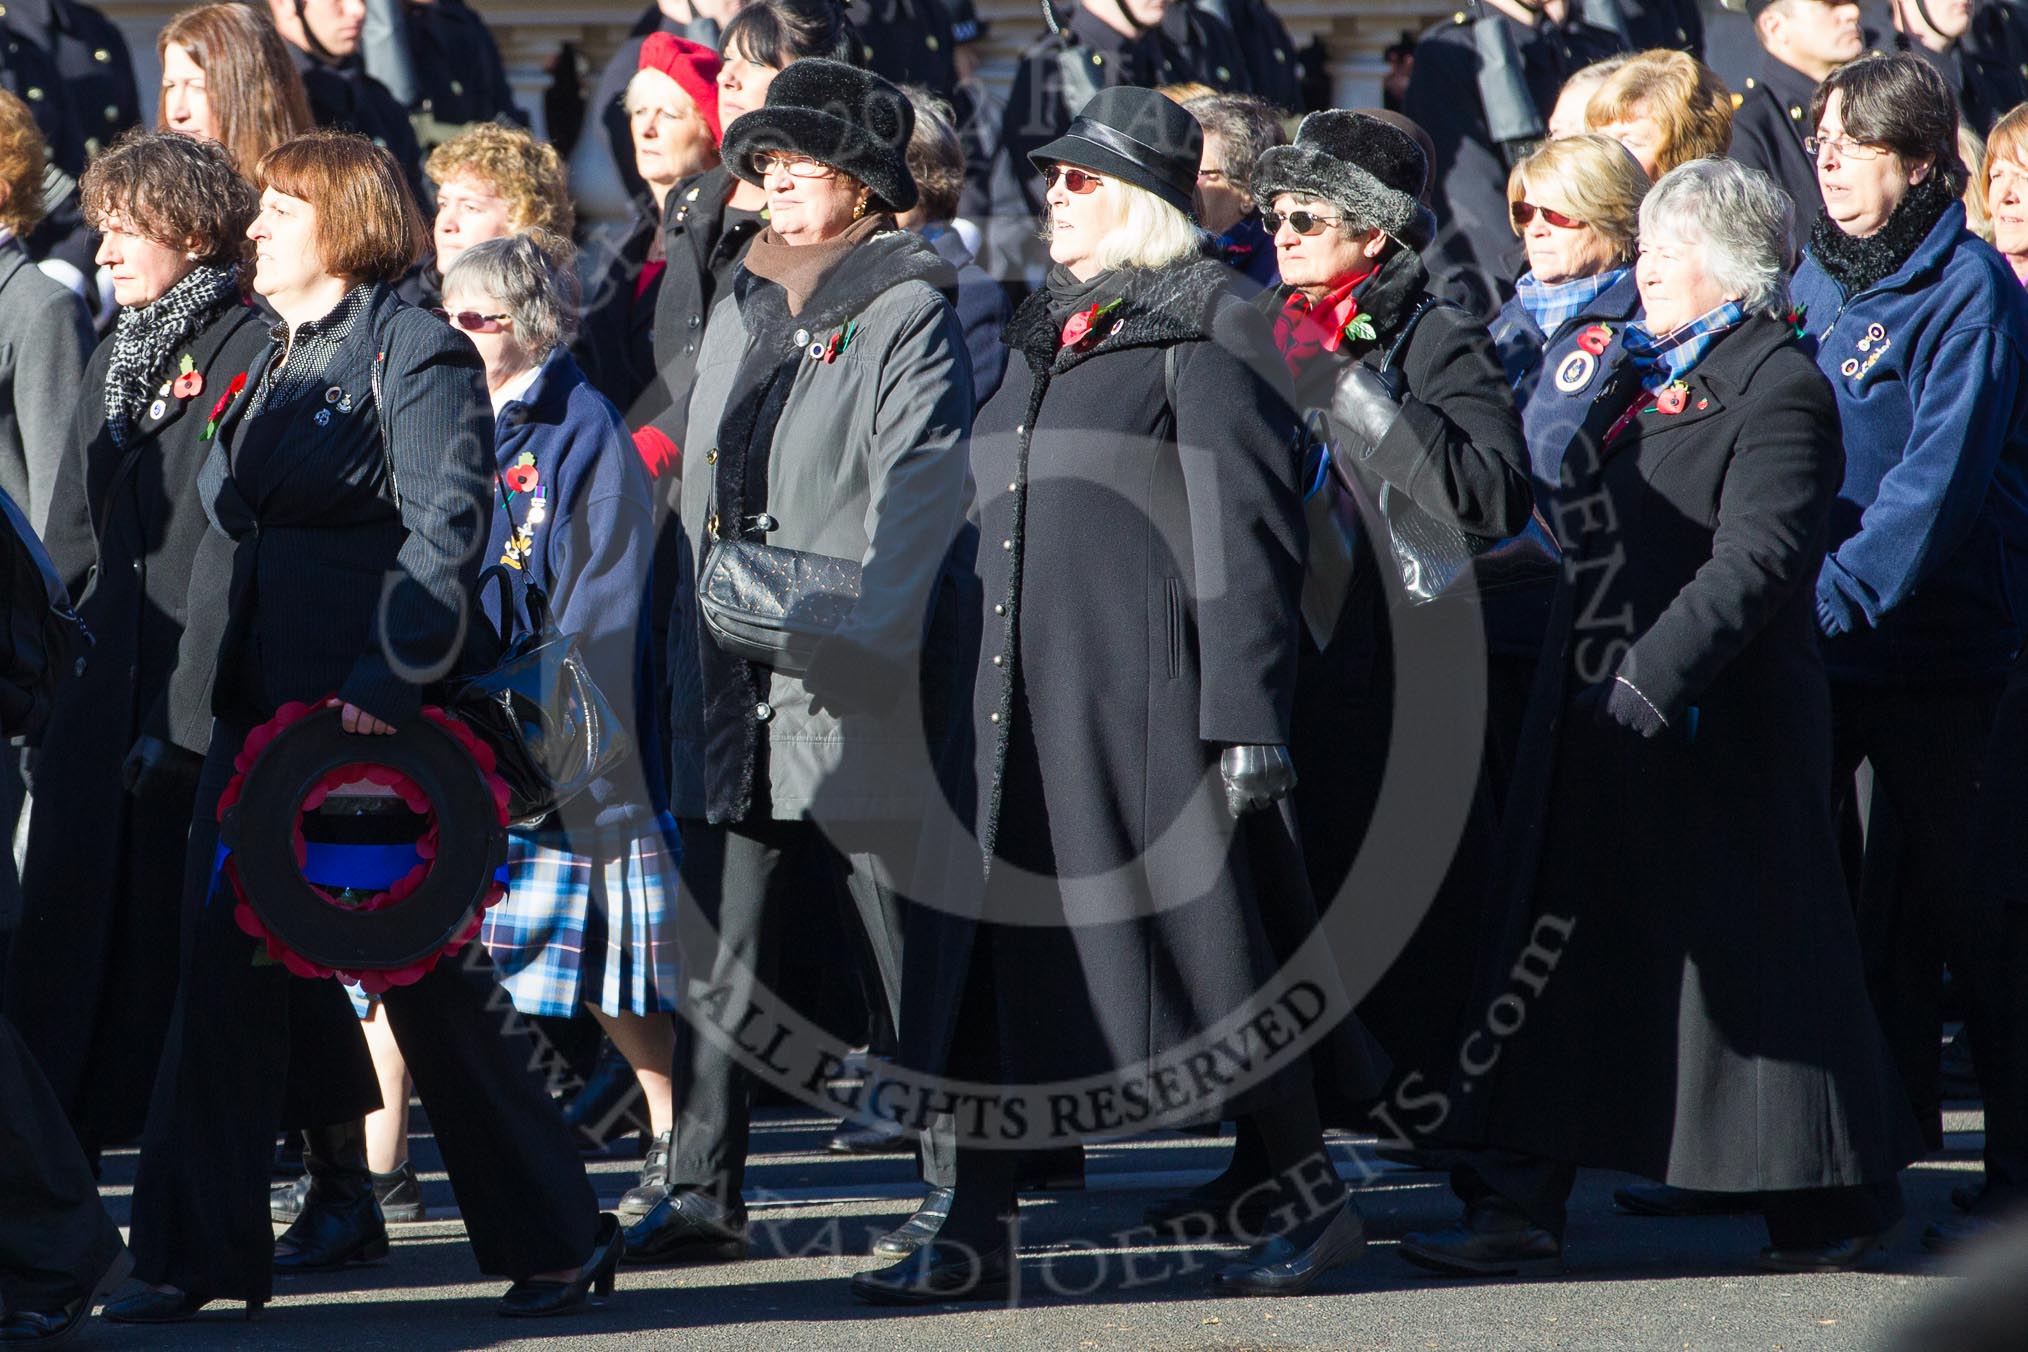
[[353, 556]]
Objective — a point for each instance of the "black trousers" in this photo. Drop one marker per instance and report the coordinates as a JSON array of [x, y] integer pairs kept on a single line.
[[201, 1195], [2000, 845], [1540, 1189], [55, 1237], [1927, 745], [746, 884]]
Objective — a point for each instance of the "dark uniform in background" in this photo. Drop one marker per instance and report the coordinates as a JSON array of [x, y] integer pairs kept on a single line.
[[1664, 23], [1274, 70], [1477, 257], [1987, 75], [1770, 121], [30, 72], [460, 78], [344, 96], [92, 61], [909, 42]]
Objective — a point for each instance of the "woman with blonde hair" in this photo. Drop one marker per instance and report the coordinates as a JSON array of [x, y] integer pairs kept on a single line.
[[227, 77], [1666, 108], [2002, 190]]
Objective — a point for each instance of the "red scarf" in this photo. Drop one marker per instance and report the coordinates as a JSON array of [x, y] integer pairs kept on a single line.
[[1305, 327]]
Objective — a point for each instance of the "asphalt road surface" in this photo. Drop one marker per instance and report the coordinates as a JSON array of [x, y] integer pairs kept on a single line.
[[1092, 1280]]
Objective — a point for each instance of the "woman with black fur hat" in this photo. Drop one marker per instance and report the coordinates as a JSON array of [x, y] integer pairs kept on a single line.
[[826, 431], [1439, 428], [1121, 851]]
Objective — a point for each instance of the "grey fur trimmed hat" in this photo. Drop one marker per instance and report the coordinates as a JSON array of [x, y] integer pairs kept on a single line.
[[1371, 170]]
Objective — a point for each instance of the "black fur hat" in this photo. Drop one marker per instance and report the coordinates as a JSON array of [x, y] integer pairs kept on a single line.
[[1137, 136], [1369, 169], [836, 114]]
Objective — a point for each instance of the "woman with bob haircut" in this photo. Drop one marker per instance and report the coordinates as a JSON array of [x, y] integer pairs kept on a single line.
[[93, 967], [1704, 955], [1665, 107], [1143, 436], [301, 480], [227, 77]]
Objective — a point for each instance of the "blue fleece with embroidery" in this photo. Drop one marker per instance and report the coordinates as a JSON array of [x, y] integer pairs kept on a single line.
[[591, 556], [1929, 536]]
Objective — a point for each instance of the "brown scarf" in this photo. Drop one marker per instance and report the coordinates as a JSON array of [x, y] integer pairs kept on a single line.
[[799, 269]]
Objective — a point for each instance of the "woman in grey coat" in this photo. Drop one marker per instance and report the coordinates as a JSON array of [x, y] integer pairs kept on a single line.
[[832, 403]]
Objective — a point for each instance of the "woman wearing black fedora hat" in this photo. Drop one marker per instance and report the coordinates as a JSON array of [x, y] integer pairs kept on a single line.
[[1121, 845], [826, 428]]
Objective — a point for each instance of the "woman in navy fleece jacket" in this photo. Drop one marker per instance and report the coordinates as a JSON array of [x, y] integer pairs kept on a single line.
[[1923, 332]]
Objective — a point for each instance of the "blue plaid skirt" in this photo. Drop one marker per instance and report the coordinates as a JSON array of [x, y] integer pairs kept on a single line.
[[589, 928]]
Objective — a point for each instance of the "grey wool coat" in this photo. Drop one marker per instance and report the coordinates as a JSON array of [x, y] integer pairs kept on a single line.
[[45, 340], [866, 462]]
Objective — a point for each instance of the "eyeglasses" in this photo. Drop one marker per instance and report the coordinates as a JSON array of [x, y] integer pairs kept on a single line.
[[1302, 222], [1079, 181], [1524, 212], [471, 321], [1213, 176], [1815, 147], [795, 166]]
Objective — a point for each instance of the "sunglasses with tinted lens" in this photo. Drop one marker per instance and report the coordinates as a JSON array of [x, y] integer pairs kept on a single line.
[[1302, 222], [471, 321], [1079, 181], [1524, 212]]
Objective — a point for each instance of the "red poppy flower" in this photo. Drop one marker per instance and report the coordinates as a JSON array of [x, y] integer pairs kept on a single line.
[[1079, 327], [1594, 339], [1673, 398], [522, 478], [188, 385]]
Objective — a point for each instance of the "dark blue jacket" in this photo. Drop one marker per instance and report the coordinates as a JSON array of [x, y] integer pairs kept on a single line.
[[591, 555], [1538, 366], [1249, 249], [1929, 539]]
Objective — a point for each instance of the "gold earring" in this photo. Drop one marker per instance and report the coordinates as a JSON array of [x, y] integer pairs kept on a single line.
[[859, 210]]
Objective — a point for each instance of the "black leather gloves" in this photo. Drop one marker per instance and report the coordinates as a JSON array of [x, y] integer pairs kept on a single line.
[[1364, 404], [1255, 776], [160, 770], [1619, 703]]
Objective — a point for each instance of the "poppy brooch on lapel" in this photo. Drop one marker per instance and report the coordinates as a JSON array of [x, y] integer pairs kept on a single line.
[[1078, 329], [224, 402], [189, 380], [1595, 339], [827, 349], [1672, 398]]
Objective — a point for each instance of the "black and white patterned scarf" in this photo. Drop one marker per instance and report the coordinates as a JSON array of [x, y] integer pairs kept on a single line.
[[148, 340]]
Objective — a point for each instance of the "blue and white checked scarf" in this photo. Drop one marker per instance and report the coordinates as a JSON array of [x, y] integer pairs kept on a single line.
[[1670, 357], [1553, 304]]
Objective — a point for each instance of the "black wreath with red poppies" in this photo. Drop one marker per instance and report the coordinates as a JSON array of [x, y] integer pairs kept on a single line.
[[442, 771]]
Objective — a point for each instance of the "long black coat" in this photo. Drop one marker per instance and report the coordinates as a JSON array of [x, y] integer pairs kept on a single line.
[[1139, 569], [1458, 451], [703, 255], [93, 971], [1693, 1008]]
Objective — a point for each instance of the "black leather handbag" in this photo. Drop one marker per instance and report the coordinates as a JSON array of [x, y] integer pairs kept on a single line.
[[767, 604], [552, 731]]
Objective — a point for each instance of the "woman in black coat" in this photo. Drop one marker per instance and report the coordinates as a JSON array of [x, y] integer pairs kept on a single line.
[[93, 970], [352, 474], [1140, 542], [1680, 994]]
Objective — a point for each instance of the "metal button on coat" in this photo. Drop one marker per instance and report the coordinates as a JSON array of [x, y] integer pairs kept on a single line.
[[802, 337], [993, 717], [999, 661], [763, 711], [1006, 544], [711, 456], [693, 321], [999, 609]]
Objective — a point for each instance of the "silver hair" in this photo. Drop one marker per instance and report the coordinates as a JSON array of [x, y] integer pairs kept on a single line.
[[1745, 223], [525, 275]]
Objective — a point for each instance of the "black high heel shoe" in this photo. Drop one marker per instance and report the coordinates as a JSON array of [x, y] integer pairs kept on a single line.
[[534, 1299], [150, 1306]]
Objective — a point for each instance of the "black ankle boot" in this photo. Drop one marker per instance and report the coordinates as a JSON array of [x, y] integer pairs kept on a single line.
[[341, 1221], [609, 1106]]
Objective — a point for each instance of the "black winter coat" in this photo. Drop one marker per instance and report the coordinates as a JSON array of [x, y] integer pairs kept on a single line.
[[93, 971], [1139, 567], [702, 256], [1768, 130], [334, 587], [1679, 936], [615, 344]]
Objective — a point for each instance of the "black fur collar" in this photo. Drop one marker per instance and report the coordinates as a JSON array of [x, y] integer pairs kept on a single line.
[[1857, 263], [1159, 306]]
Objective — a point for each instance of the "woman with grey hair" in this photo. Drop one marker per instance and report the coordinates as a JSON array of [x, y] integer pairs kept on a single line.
[[1238, 130], [590, 915], [1680, 994]]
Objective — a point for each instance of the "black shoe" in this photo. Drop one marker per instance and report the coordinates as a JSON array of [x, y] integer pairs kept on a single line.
[[149, 1306], [1282, 1267], [49, 1328], [332, 1235], [642, 1198], [400, 1194], [1492, 1240], [1244, 1213], [288, 1161], [871, 1138], [1842, 1255], [1965, 1197], [685, 1226], [609, 1106], [1659, 1199], [535, 1299], [1954, 1232], [917, 1230], [939, 1273]]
